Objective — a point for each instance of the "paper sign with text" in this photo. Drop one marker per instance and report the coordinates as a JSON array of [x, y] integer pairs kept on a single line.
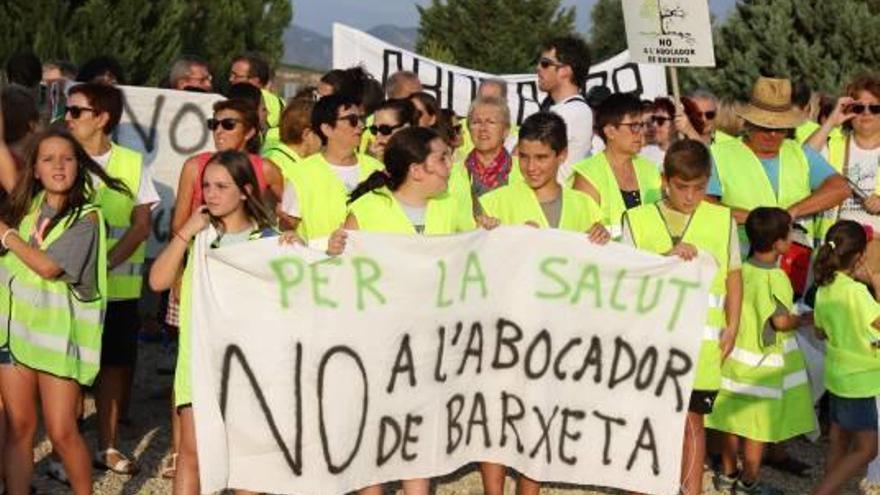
[[669, 32], [411, 356]]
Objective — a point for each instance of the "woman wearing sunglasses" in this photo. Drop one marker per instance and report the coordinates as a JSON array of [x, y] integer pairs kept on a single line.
[[391, 116], [850, 139], [660, 122], [618, 178]]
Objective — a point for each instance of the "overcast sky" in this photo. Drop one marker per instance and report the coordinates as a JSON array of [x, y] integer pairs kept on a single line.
[[319, 15]]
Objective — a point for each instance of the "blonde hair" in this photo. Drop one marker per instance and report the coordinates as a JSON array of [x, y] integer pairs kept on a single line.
[[728, 119]]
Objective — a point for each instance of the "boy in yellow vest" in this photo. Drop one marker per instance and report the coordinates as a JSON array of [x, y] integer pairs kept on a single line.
[[765, 395], [679, 225]]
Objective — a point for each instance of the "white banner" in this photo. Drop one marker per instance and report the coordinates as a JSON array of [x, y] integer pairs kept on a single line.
[[412, 356], [167, 126], [456, 87], [669, 32]]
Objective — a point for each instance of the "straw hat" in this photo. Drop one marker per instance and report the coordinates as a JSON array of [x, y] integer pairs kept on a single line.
[[770, 105]]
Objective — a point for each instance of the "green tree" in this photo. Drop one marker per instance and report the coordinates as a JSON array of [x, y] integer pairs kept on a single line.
[[607, 32], [823, 42], [497, 36]]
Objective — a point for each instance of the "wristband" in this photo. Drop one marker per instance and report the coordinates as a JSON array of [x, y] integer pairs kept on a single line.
[[5, 235]]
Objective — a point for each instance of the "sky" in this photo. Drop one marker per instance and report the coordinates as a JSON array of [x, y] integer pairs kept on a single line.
[[319, 15]]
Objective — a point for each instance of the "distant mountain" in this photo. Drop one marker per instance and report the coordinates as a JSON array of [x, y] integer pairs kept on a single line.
[[308, 48], [396, 35]]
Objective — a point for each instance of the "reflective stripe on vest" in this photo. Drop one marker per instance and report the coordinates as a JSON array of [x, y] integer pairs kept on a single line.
[[789, 382], [322, 196], [837, 145], [650, 233], [125, 165], [516, 204], [49, 328], [597, 171]]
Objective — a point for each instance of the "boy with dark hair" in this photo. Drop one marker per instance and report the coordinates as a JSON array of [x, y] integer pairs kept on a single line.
[[678, 225]]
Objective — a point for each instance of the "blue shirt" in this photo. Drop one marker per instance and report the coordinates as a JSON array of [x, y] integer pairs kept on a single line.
[[820, 170]]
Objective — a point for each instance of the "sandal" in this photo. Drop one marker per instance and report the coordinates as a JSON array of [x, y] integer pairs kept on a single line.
[[170, 468], [123, 466]]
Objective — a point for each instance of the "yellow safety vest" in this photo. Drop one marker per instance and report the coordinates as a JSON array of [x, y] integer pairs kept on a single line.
[[516, 204], [322, 197], [123, 281], [274, 107], [838, 142], [805, 130], [46, 325], [597, 171], [367, 136], [283, 157], [380, 211], [650, 233], [845, 310]]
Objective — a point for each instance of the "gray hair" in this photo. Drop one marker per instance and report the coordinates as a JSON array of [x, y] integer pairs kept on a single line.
[[392, 85], [181, 67], [501, 84], [491, 101], [704, 94]]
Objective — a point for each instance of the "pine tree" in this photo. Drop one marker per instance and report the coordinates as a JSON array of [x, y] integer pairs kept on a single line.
[[497, 36], [822, 42], [607, 31]]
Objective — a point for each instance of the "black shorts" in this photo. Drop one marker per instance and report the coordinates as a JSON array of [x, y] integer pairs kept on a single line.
[[702, 401], [119, 341]]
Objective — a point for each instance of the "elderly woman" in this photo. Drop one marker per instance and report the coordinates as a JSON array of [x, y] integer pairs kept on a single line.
[[850, 139], [618, 178], [489, 165]]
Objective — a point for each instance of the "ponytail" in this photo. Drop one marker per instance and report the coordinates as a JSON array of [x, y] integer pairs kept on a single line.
[[844, 243], [375, 181]]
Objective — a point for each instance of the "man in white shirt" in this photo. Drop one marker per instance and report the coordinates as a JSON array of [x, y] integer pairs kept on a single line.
[[562, 72]]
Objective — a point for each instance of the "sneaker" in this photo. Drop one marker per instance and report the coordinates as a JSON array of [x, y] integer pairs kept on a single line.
[[724, 484], [757, 488], [55, 470]]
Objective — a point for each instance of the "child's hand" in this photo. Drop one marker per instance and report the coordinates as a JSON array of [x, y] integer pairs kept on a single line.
[[684, 251], [872, 204], [336, 244], [598, 234], [726, 342], [196, 223], [487, 222], [289, 238], [533, 224]]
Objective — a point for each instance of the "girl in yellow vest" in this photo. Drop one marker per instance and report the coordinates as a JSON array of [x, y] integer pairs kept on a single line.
[[618, 178], [411, 198], [52, 298], [849, 317], [298, 141], [232, 212], [765, 395], [679, 225]]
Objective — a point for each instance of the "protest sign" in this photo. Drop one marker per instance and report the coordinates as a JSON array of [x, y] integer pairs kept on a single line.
[[411, 356], [455, 87], [167, 126], [669, 32]]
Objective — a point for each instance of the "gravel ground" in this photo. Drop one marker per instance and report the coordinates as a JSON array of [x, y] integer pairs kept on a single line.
[[148, 439]]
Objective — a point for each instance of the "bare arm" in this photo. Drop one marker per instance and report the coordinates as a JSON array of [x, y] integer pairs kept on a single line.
[[183, 202], [819, 138], [831, 193], [167, 267]]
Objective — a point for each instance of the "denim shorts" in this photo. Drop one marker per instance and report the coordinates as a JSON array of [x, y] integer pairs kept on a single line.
[[854, 414]]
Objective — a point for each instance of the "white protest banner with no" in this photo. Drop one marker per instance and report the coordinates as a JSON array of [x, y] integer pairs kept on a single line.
[[411, 356], [456, 87], [669, 32], [167, 126]]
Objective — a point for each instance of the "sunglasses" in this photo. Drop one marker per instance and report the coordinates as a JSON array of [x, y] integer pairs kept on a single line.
[[634, 127], [710, 115], [384, 129], [457, 129], [859, 108], [353, 119], [76, 111], [546, 63], [227, 123], [658, 120], [767, 130]]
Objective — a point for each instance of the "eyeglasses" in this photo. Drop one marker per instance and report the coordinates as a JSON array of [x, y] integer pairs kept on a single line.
[[228, 123], [659, 120], [634, 127], [76, 111], [384, 129], [710, 115], [353, 119], [546, 63], [456, 129], [859, 108]]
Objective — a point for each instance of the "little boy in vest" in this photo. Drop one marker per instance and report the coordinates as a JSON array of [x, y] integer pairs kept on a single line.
[[540, 201], [679, 225], [765, 395]]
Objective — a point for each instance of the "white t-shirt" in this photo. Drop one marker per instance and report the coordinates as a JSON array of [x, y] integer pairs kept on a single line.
[[578, 119], [350, 175], [146, 193], [655, 154], [861, 170]]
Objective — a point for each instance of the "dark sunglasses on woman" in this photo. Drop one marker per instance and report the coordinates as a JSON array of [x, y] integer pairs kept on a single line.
[[353, 119], [76, 112], [228, 123], [383, 130], [659, 120], [859, 108]]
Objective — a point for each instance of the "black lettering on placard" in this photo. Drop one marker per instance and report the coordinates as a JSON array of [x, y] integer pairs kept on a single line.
[[557, 363], [439, 376], [325, 444], [521, 88], [507, 419], [647, 442], [478, 417], [452, 424], [673, 372], [545, 432], [437, 87], [609, 420], [450, 89], [293, 460], [564, 434], [412, 421], [403, 364], [387, 55], [601, 76], [175, 123], [148, 136], [593, 358], [637, 76], [543, 337], [381, 455], [621, 346], [474, 348], [509, 342], [647, 362]]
